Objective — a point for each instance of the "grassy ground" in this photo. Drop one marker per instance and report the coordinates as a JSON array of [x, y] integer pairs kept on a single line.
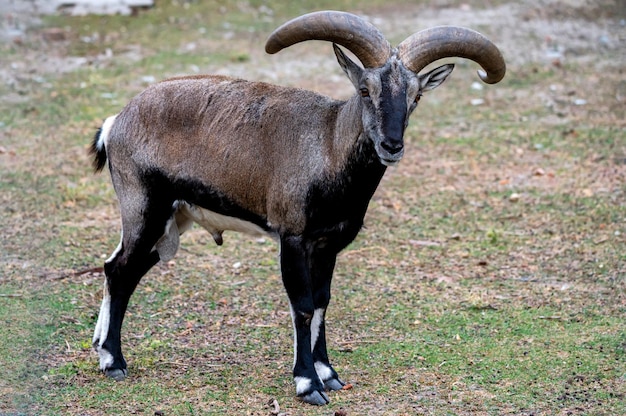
[[489, 280]]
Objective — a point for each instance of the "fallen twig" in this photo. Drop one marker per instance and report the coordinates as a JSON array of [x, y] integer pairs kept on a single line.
[[274, 406], [174, 364], [98, 269], [554, 318], [361, 250], [362, 341], [424, 243], [73, 273]]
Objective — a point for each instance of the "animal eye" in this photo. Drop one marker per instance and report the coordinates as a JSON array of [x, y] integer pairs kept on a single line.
[[417, 98], [364, 92]]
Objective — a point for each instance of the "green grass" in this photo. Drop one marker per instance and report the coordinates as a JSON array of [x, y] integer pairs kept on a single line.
[[456, 298]]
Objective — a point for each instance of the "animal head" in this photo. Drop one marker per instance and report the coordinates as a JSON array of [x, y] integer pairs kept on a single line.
[[390, 85]]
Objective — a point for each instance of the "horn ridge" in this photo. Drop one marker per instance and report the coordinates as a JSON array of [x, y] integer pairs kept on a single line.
[[357, 35], [429, 45]]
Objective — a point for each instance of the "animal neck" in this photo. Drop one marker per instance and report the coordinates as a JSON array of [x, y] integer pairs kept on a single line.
[[362, 171], [350, 141]]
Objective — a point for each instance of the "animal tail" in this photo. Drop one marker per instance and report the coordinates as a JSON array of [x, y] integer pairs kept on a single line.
[[98, 146]]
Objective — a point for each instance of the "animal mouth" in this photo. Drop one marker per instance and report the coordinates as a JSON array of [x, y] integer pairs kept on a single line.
[[389, 162], [387, 158]]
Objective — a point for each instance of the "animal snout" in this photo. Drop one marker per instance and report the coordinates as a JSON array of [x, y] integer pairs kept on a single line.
[[392, 147]]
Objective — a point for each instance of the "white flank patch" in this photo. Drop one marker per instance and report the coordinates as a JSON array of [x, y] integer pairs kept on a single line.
[[302, 384], [316, 324], [103, 140], [215, 223], [323, 371]]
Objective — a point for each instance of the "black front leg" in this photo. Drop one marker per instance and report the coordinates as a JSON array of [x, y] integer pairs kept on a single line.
[[322, 264], [294, 261]]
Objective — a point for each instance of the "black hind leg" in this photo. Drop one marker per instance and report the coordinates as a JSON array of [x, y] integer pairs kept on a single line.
[[122, 276], [133, 258]]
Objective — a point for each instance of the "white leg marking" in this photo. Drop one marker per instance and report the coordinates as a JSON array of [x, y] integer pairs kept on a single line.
[[316, 324], [106, 359], [302, 384], [102, 329], [102, 326], [323, 371], [104, 317], [295, 335]]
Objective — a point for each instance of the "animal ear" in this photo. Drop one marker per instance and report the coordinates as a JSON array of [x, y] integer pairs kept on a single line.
[[352, 70], [431, 80]]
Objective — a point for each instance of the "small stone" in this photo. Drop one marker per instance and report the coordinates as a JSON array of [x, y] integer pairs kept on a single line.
[[514, 197]]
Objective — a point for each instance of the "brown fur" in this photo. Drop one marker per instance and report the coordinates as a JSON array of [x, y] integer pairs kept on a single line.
[[259, 143]]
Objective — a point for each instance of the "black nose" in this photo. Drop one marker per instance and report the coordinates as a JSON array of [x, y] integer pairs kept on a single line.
[[392, 147]]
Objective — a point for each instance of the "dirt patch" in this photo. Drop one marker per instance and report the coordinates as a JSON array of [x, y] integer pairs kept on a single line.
[[530, 31], [526, 32], [18, 16]]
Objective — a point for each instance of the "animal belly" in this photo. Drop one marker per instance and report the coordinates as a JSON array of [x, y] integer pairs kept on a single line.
[[216, 223]]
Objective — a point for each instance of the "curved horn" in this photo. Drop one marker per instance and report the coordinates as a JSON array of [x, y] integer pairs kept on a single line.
[[426, 46], [357, 35]]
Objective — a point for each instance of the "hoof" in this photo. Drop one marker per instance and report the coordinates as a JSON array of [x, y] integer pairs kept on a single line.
[[116, 374], [318, 398], [333, 384]]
